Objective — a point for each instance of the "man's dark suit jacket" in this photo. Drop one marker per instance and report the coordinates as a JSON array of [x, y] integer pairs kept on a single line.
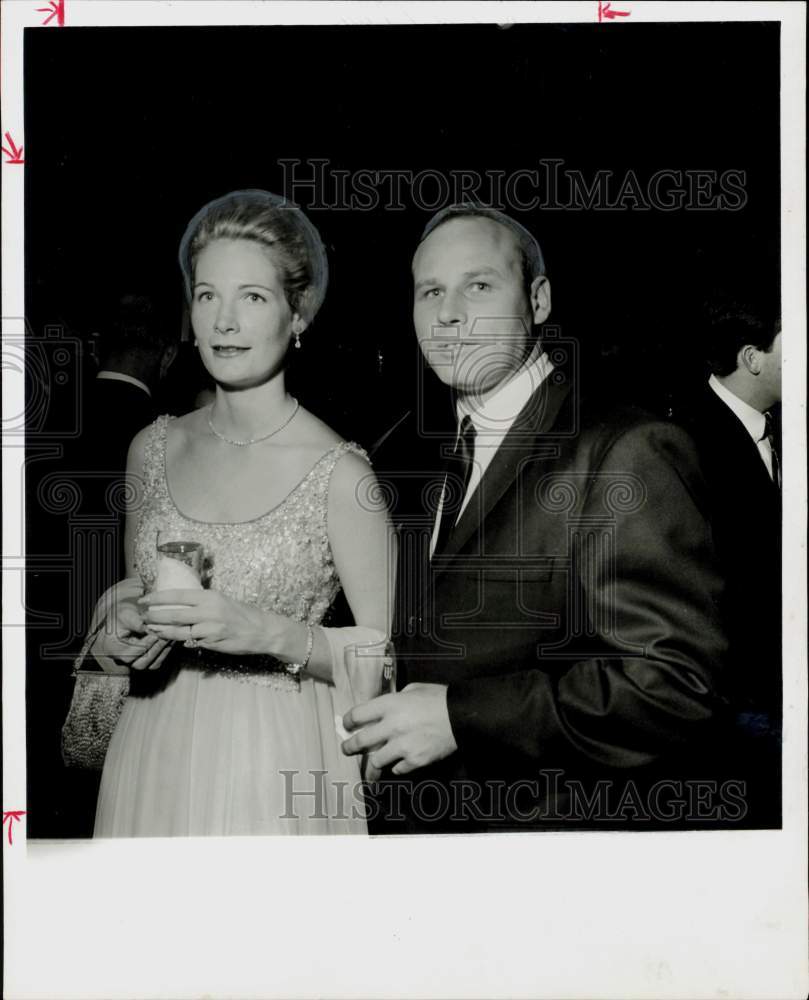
[[745, 512], [573, 616], [113, 412]]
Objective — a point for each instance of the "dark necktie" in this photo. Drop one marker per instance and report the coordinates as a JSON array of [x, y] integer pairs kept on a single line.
[[769, 435], [459, 464]]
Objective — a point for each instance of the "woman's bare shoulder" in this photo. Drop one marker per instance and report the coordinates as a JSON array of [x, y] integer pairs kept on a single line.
[[314, 434], [184, 431], [193, 422]]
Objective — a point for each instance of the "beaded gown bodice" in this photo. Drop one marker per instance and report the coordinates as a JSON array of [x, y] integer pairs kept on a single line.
[[280, 561]]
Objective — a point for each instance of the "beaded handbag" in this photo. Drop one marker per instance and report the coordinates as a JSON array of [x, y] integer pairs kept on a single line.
[[97, 703], [98, 694]]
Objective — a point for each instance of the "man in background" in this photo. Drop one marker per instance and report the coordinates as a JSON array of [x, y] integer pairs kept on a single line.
[[735, 421], [135, 355]]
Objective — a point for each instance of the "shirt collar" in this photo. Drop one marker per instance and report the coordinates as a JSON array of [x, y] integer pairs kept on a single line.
[[754, 421], [495, 415], [121, 377]]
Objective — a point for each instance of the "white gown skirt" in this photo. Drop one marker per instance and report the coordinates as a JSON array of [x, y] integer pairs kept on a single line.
[[214, 755]]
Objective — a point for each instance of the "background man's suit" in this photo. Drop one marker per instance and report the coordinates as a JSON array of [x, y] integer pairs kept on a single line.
[[574, 610], [745, 512], [114, 413]]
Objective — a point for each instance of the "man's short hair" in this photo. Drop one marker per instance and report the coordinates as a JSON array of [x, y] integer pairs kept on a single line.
[[531, 258], [139, 325], [733, 325]]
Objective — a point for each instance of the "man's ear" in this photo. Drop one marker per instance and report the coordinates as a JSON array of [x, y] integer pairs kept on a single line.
[[540, 299], [749, 357], [169, 354]]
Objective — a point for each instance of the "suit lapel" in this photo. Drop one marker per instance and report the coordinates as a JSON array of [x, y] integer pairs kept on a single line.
[[537, 417], [739, 449]]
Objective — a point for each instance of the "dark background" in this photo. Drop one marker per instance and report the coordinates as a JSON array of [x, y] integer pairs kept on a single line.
[[130, 131]]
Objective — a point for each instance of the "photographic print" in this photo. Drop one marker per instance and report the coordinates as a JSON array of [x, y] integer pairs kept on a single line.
[[405, 444]]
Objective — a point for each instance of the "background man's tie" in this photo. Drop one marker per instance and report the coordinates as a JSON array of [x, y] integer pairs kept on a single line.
[[769, 434]]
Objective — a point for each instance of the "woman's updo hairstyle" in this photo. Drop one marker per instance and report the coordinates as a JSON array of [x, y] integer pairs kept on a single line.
[[275, 224]]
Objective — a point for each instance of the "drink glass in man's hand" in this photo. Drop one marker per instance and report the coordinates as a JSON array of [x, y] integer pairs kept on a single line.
[[179, 565]]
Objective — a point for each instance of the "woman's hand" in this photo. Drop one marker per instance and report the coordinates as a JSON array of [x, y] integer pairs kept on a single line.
[[213, 621], [124, 640]]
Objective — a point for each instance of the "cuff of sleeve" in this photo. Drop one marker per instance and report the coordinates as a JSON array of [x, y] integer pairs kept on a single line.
[[501, 717], [356, 659], [465, 718]]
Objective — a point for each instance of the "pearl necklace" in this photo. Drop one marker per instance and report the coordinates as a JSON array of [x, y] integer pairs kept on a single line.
[[255, 440]]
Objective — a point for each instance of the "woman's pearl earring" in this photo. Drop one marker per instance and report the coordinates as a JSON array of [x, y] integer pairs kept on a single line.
[[297, 340]]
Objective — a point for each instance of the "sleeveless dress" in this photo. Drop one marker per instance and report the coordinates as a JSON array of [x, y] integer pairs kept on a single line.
[[210, 744]]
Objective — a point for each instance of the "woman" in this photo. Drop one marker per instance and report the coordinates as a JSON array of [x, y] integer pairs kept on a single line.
[[234, 711]]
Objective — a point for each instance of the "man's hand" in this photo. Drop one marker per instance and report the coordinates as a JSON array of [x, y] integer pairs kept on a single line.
[[124, 641], [410, 729]]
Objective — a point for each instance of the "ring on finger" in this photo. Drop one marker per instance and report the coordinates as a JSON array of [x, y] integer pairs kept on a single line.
[[191, 642]]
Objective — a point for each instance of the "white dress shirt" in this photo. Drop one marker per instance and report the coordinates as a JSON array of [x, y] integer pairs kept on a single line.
[[753, 420], [122, 377], [493, 419]]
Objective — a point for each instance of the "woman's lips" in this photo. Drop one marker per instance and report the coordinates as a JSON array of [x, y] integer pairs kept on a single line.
[[229, 351]]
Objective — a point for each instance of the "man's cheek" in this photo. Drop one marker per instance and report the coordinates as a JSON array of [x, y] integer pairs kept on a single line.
[[502, 327]]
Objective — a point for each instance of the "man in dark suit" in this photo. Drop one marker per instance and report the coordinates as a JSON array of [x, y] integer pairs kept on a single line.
[[734, 421], [136, 354], [560, 654]]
